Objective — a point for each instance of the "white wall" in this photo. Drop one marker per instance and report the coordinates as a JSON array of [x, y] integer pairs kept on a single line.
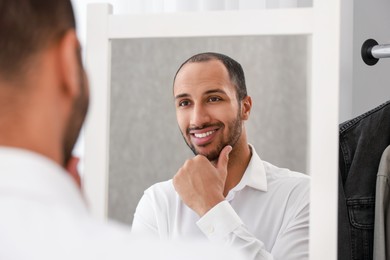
[[137, 6], [346, 60], [371, 84], [363, 87]]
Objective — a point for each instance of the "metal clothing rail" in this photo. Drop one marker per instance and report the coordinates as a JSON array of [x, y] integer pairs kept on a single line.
[[372, 51]]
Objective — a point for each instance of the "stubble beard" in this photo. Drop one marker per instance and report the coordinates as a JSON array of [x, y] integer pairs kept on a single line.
[[234, 130], [76, 119]]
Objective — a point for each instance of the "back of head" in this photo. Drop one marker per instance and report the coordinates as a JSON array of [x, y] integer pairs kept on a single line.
[[26, 28], [43, 89]]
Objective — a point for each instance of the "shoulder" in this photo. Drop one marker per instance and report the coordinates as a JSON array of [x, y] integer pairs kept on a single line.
[[287, 181], [161, 192], [275, 173], [165, 187], [292, 189]]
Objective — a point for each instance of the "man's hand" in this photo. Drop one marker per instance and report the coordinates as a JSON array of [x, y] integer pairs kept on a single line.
[[200, 184]]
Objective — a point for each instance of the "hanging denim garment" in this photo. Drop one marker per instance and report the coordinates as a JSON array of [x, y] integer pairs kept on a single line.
[[362, 141]]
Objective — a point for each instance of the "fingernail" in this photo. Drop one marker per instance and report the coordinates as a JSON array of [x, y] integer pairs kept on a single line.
[[231, 148]]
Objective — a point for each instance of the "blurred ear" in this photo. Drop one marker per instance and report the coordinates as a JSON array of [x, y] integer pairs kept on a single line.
[[246, 106], [69, 59]]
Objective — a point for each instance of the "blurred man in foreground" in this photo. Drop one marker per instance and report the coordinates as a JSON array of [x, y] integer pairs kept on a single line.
[[43, 103]]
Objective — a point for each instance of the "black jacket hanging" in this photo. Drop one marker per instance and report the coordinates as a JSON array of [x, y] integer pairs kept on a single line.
[[362, 141]]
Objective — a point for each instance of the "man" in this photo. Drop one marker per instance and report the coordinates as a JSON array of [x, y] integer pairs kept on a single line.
[[226, 192], [43, 103]]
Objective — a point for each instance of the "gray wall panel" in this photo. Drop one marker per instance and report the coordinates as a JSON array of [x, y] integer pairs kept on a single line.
[[145, 144]]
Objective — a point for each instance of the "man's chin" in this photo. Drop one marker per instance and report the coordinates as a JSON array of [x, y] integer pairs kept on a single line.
[[206, 151], [211, 155]]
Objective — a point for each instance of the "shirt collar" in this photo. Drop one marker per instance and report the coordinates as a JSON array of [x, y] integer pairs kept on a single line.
[[254, 175], [37, 177]]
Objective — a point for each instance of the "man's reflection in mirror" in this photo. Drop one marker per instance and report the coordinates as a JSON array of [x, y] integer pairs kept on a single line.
[[225, 193]]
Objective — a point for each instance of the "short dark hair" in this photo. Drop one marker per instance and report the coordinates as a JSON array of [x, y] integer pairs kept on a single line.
[[27, 27], [236, 73]]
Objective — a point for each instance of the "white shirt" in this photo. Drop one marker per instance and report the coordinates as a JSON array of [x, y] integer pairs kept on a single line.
[[43, 216], [266, 214]]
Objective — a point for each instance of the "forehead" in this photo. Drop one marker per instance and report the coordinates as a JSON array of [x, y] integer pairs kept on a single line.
[[202, 76]]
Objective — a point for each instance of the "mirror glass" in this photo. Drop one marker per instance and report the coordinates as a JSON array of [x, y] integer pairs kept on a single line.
[[145, 142]]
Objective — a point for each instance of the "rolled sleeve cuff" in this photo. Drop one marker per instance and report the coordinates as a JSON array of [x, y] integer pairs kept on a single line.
[[219, 221]]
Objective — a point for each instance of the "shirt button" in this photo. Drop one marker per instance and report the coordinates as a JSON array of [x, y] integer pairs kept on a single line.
[[210, 229]]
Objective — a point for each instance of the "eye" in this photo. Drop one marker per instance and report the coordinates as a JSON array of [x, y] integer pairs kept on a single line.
[[184, 103], [214, 99]]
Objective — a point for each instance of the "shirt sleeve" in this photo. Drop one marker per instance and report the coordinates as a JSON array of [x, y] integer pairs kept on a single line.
[[222, 224]]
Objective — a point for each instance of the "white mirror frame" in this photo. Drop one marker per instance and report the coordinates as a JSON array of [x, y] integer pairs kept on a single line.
[[321, 23]]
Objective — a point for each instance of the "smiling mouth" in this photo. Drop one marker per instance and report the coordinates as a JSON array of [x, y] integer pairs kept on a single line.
[[203, 135]]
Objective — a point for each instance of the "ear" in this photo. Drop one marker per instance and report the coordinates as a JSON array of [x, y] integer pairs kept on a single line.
[[246, 106], [69, 60]]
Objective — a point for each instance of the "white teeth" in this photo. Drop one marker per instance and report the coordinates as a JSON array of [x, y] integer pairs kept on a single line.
[[203, 135]]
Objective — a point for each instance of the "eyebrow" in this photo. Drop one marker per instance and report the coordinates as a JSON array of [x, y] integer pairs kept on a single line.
[[181, 96], [211, 91]]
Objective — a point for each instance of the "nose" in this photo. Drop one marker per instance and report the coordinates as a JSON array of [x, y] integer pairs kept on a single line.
[[200, 116]]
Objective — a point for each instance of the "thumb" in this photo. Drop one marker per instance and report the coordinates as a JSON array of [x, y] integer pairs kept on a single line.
[[224, 158]]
